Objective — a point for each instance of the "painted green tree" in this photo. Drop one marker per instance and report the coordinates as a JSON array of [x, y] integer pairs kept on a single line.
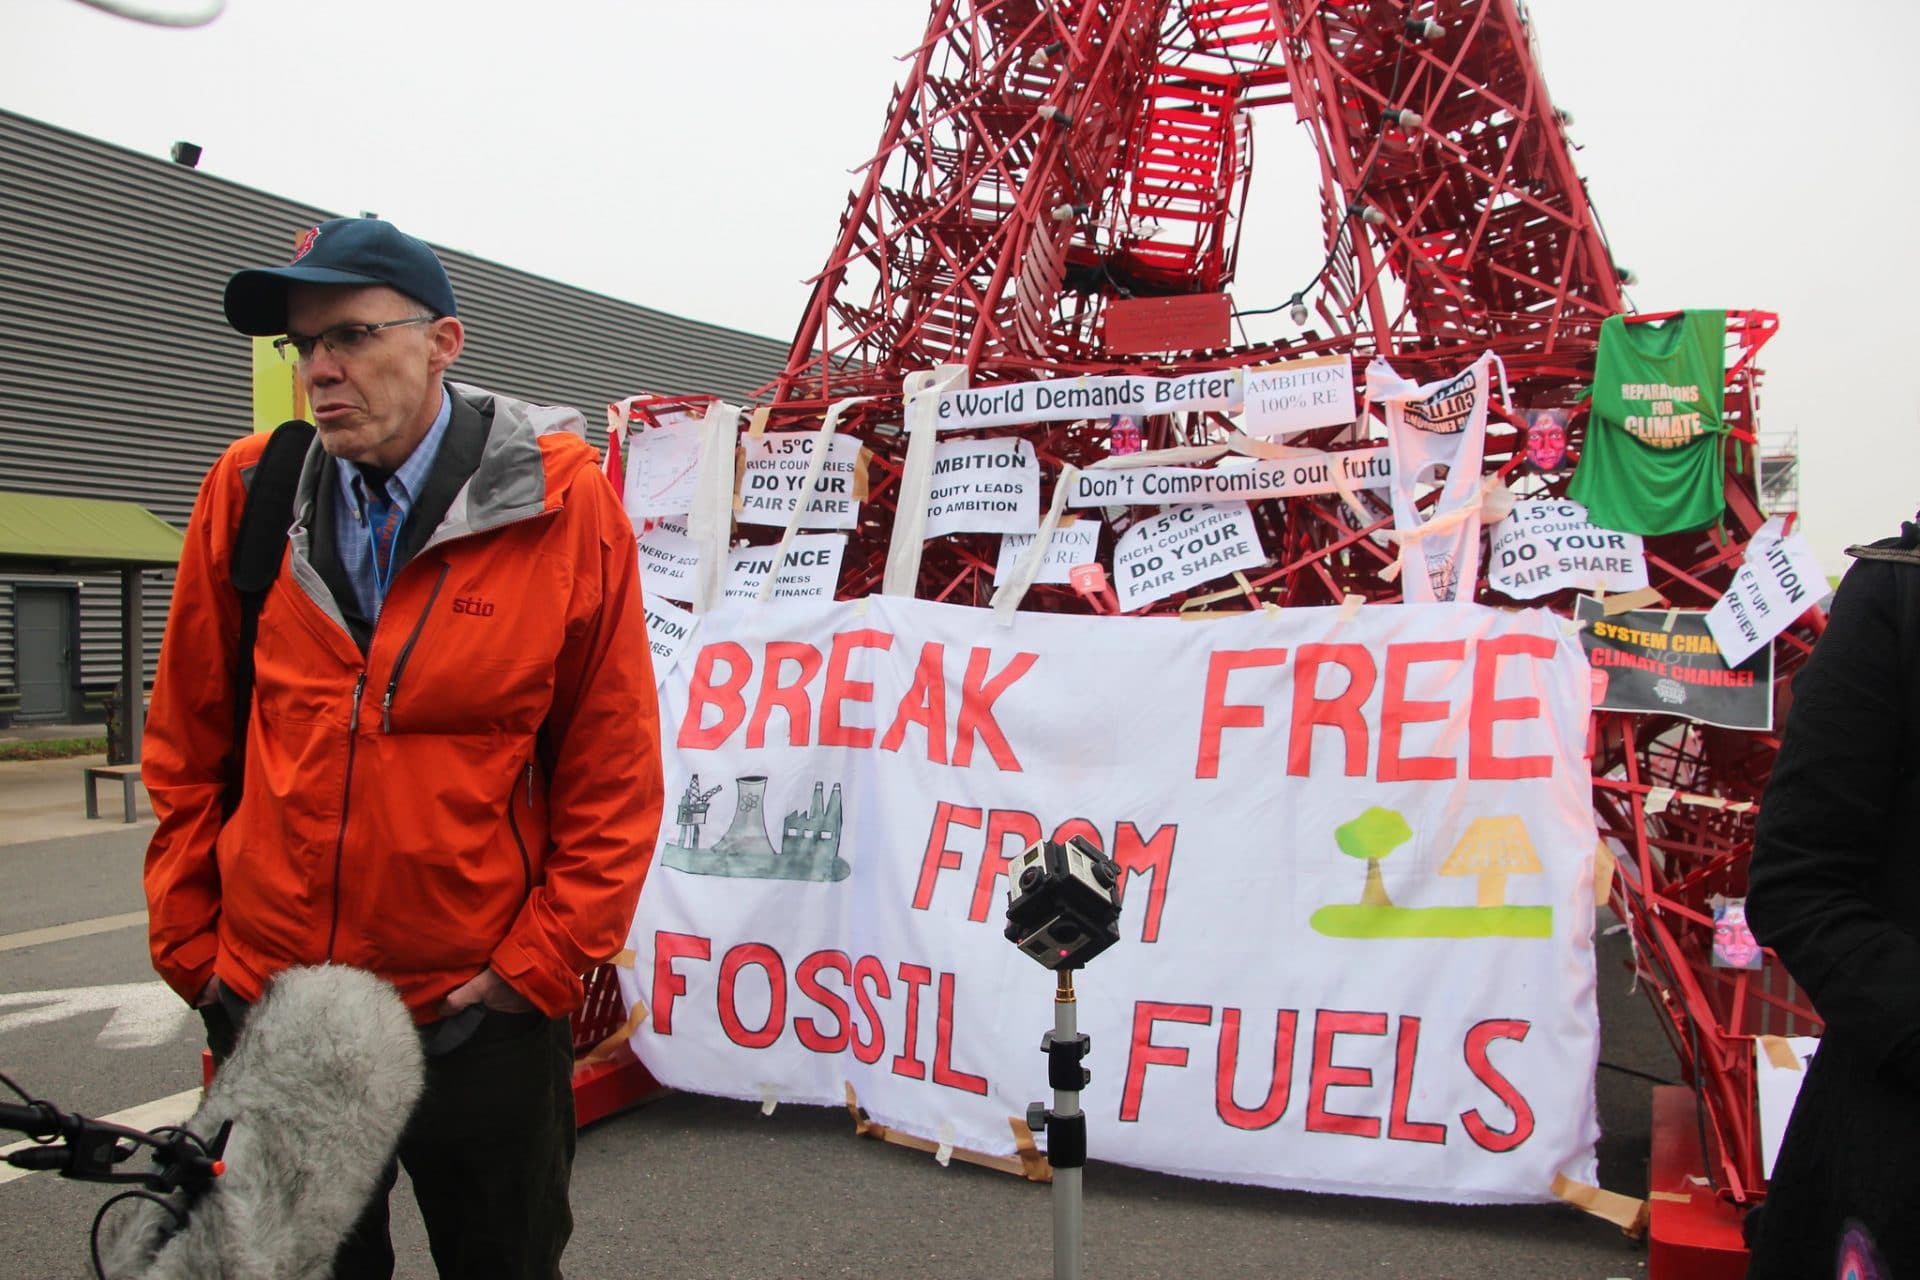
[[1370, 837]]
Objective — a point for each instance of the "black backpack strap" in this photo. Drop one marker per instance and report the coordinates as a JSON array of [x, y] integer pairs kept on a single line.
[[258, 547]]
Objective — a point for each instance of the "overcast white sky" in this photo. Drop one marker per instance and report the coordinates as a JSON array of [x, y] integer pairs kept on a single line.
[[695, 157]]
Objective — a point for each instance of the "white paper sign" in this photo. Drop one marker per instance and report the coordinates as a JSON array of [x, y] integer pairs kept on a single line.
[[1778, 1087], [983, 486], [668, 629], [1299, 394], [1183, 548], [1356, 939], [661, 464], [1064, 399], [1074, 542], [668, 558], [1550, 545], [1779, 580], [811, 568], [777, 466], [1297, 476]]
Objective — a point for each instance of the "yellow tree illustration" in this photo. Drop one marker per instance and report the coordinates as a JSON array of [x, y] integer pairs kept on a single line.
[[1493, 849], [1370, 837]]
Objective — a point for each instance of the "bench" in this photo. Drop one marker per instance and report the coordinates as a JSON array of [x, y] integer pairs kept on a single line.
[[128, 776]]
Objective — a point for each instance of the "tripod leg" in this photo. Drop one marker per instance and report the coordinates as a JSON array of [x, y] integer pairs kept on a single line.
[[1067, 1141]]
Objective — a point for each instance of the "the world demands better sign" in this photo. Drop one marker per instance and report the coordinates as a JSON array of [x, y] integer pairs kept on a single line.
[[1356, 950]]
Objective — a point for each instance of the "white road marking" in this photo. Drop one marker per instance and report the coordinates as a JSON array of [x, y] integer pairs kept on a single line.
[[174, 1109], [78, 929], [145, 1014]]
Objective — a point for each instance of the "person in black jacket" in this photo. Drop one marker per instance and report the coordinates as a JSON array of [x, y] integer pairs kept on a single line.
[[1834, 889]]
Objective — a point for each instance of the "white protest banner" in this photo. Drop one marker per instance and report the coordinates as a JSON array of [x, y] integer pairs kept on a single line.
[[812, 568], [1779, 580], [1183, 548], [777, 466], [983, 486], [1075, 542], [1298, 395], [668, 629], [662, 462], [1304, 474], [1356, 935], [1550, 545], [1090, 396]]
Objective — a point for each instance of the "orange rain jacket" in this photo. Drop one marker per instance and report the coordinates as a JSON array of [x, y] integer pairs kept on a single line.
[[400, 813]]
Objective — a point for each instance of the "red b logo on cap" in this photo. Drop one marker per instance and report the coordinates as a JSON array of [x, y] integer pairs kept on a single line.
[[301, 249]]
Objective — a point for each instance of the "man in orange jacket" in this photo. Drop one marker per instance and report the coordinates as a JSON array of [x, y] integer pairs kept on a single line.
[[450, 769]]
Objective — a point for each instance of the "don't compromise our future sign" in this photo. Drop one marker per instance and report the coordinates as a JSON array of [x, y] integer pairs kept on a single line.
[[1356, 948]]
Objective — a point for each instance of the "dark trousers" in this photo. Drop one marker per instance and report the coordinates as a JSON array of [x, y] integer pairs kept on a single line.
[[489, 1150]]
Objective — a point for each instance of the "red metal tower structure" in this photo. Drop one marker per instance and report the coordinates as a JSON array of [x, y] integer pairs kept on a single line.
[[1059, 189]]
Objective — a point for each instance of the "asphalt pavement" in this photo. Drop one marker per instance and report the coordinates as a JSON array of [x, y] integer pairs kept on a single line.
[[691, 1186]]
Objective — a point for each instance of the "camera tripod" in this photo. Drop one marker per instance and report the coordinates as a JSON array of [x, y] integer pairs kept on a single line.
[[1065, 1125]]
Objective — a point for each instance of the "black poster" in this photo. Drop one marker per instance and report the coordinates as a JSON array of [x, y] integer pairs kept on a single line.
[[1661, 663]]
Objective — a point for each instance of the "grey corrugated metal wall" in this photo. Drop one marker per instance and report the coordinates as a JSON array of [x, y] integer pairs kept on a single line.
[[119, 378]]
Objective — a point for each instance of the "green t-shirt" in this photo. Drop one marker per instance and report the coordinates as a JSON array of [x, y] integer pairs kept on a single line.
[[1652, 462]]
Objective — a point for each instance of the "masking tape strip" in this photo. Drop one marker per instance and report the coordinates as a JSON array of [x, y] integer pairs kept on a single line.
[[769, 1097], [1780, 1053], [862, 1126], [943, 1156], [921, 390], [618, 1040], [1350, 605], [1624, 1212], [1033, 1164], [1257, 447], [622, 959], [862, 481], [1348, 496], [1705, 802], [757, 421], [1667, 626], [710, 521], [1658, 798], [1631, 600], [1677, 1197], [822, 446], [1008, 595], [1603, 867], [1213, 597]]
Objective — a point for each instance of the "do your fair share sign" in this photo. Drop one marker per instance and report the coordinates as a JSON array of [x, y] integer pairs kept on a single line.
[[1356, 938]]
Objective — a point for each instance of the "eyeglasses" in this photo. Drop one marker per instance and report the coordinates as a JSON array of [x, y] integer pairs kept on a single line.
[[341, 340]]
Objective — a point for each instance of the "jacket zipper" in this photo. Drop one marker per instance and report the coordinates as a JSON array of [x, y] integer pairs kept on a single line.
[[519, 841], [346, 795], [406, 651]]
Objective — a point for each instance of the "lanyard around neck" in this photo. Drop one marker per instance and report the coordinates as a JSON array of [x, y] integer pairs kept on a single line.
[[397, 515]]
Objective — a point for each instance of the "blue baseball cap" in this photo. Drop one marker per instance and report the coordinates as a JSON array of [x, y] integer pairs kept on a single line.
[[349, 251]]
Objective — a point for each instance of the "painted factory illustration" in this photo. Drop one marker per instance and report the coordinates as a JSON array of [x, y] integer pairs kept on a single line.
[[809, 839]]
